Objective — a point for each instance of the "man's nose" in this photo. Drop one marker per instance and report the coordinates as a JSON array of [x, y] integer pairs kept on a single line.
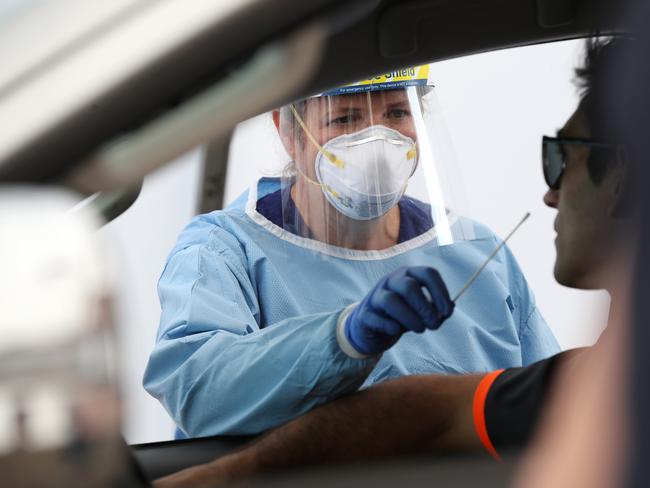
[[551, 198]]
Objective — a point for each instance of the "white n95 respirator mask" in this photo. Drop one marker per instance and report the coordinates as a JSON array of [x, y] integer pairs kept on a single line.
[[364, 174]]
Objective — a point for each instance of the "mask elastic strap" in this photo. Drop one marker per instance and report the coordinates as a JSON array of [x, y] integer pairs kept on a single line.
[[331, 157], [316, 183], [309, 180]]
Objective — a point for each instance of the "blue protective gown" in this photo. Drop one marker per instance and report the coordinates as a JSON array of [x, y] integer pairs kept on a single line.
[[247, 336]]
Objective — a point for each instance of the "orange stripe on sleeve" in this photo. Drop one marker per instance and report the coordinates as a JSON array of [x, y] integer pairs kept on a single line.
[[480, 395]]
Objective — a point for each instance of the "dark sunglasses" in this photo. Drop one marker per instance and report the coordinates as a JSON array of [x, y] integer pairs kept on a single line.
[[554, 157]]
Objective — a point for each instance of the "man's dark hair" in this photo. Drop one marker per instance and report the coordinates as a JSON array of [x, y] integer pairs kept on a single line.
[[598, 86]]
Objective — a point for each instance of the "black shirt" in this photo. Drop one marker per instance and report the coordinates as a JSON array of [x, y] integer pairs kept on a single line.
[[508, 403]]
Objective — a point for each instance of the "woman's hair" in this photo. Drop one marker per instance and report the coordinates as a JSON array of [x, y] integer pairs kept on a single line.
[[288, 123]]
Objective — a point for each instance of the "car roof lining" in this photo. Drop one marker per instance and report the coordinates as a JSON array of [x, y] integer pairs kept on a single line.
[[413, 32]]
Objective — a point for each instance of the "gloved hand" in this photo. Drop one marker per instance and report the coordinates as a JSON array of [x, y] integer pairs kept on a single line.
[[408, 299]]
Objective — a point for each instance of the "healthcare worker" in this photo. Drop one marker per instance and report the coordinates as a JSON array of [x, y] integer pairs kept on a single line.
[[335, 275]]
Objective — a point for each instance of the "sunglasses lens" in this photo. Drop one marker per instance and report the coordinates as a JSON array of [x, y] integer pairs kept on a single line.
[[552, 161]]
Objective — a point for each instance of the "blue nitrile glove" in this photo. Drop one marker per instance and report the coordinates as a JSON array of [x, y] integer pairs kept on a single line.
[[408, 299]]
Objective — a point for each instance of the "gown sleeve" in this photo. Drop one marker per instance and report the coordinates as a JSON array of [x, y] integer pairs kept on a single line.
[[217, 372], [535, 337], [537, 340]]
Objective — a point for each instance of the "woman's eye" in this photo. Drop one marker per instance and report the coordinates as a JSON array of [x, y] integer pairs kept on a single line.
[[344, 119], [398, 113]]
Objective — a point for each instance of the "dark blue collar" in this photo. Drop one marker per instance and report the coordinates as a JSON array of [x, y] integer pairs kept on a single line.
[[415, 217]]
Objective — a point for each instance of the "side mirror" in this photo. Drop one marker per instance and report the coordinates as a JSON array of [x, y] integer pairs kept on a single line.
[[59, 397]]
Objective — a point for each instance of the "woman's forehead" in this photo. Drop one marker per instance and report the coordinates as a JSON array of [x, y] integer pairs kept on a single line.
[[366, 99]]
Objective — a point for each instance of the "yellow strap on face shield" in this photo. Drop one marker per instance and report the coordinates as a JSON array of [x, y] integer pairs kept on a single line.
[[307, 178], [330, 157]]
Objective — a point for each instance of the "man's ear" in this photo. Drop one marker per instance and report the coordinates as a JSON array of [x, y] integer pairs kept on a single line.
[[285, 132], [619, 187]]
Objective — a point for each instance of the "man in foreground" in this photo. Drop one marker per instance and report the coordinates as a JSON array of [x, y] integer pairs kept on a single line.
[[585, 171]]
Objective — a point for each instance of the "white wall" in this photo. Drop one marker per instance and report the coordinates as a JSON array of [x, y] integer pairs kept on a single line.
[[496, 106]]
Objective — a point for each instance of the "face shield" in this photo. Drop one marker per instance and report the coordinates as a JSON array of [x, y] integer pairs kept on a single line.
[[371, 166]]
